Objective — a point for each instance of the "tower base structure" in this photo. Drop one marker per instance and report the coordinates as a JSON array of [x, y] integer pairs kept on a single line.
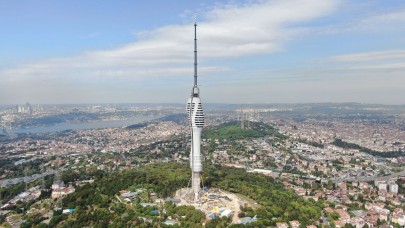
[[196, 183]]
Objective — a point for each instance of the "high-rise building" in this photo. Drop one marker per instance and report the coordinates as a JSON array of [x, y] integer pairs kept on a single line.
[[393, 187], [196, 117]]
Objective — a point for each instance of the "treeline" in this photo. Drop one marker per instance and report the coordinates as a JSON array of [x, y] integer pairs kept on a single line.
[[71, 175], [232, 131], [311, 143], [137, 126], [346, 145], [10, 192]]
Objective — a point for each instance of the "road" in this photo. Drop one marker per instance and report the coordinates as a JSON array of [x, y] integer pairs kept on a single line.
[[366, 179], [28, 179]]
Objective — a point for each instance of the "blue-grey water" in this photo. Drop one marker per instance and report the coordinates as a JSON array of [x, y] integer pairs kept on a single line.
[[86, 125]]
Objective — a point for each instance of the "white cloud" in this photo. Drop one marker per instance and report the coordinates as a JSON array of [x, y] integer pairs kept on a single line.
[[226, 31], [372, 56], [382, 20], [359, 18]]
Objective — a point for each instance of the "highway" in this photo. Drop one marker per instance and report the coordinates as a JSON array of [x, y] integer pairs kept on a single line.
[[366, 179], [28, 179]]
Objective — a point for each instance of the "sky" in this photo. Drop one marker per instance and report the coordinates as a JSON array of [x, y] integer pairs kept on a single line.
[[254, 51]]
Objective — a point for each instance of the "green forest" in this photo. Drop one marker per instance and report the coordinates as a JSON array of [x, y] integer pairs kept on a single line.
[[346, 145], [277, 203], [96, 204], [232, 130]]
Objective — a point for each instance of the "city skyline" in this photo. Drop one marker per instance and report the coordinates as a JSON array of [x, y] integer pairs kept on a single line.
[[251, 51]]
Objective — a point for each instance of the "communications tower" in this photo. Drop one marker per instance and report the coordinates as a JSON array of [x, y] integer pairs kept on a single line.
[[196, 118]]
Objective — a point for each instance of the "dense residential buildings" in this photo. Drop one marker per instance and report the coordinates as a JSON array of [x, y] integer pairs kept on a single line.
[[356, 186]]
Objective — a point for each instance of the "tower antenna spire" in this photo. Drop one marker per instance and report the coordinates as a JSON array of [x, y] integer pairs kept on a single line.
[[195, 49]]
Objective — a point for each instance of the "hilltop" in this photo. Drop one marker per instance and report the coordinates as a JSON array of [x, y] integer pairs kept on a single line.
[[102, 203]]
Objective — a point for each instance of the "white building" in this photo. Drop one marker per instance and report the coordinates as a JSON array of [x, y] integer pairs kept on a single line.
[[381, 185], [393, 187], [56, 193]]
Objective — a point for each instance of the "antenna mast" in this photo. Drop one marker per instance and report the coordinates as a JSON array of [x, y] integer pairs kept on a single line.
[[195, 50]]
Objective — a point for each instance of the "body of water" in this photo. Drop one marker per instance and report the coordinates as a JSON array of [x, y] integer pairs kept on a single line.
[[86, 125]]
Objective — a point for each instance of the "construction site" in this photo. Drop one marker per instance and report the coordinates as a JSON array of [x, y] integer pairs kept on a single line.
[[214, 202]]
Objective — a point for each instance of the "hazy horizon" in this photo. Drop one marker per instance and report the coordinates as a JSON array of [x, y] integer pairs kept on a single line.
[[249, 52], [205, 103]]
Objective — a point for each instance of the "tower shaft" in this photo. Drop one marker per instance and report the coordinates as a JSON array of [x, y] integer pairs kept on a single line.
[[196, 117]]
